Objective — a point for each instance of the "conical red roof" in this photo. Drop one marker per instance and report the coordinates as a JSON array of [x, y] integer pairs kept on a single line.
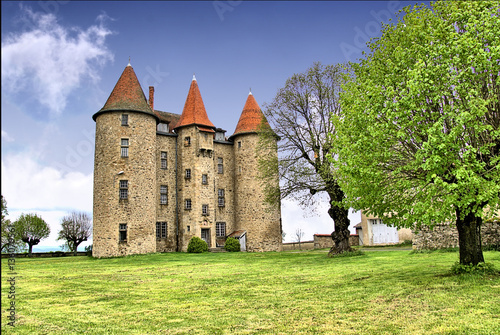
[[127, 95], [194, 110], [251, 117]]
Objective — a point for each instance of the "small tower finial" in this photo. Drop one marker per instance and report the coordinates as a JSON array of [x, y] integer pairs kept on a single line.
[[194, 77], [250, 93], [129, 61]]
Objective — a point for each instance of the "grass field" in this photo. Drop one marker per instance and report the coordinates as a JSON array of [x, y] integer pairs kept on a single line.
[[381, 292]]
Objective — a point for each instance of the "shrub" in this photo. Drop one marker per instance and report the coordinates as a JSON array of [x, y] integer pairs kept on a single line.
[[88, 250], [232, 244], [352, 253], [479, 269], [197, 245]]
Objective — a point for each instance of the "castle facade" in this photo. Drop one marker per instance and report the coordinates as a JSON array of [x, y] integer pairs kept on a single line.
[[161, 178]]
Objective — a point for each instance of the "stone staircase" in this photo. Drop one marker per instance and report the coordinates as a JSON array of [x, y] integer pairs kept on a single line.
[[218, 249]]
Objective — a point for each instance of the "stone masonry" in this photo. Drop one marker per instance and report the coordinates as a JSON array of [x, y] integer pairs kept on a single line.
[[161, 178]]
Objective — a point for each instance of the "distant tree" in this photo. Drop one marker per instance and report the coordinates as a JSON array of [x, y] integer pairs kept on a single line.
[[9, 240], [76, 228], [31, 229], [298, 236], [419, 142], [300, 116], [283, 236]]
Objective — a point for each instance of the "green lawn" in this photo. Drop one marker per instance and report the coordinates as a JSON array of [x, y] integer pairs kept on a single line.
[[382, 292]]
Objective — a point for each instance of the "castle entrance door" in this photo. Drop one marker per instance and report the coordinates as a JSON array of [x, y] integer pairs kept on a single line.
[[205, 235]]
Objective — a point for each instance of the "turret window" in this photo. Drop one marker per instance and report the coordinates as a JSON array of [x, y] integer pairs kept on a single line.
[[187, 141], [187, 204], [163, 160], [222, 200], [220, 165], [124, 146], [188, 173], [124, 119], [123, 189], [123, 232], [239, 144], [163, 194], [204, 179], [204, 209]]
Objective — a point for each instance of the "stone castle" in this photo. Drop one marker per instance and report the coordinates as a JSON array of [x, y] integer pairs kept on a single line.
[[161, 178]]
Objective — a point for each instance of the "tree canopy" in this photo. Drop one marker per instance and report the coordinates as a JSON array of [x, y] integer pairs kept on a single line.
[[31, 229], [419, 141]]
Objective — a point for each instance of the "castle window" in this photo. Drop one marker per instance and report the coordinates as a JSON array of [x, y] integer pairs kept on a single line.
[[123, 189], [161, 230], [222, 200], [239, 144], [187, 141], [187, 204], [204, 179], [188, 228], [163, 127], [220, 229], [124, 147], [163, 160], [220, 165], [124, 119], [123, 232], [163, 194], [188, 173], [204, 209]]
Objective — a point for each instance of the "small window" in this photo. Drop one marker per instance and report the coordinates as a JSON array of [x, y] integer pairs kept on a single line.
[[204, 179], [163, 127], [124, 119], [220, 165], [187, 141], [161, 230], [163, 160], [188, 228], [123, 232], [187, 204], [124, 147], [204, 209], [188, 173], [220, 229], [123, 189], [239, 144], [163, 194], [222, 201]]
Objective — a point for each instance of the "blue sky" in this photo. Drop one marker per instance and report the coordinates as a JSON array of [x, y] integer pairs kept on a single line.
[[61, 59]]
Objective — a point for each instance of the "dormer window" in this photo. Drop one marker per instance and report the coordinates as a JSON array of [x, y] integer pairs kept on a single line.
[[163, 127]]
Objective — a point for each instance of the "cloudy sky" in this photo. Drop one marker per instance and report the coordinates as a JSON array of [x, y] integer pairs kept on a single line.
[[61, 59]]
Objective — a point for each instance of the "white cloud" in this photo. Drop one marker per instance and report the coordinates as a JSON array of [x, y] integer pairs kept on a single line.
[[6, 137], [52, 60]]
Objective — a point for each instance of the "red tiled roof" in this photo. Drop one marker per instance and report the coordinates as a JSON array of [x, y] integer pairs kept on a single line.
[[194, 110], [251, 117], [127, 95], [208, 130]]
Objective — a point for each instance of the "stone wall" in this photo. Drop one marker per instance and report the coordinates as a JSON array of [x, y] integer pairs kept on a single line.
[[446, 236], [322, 241]]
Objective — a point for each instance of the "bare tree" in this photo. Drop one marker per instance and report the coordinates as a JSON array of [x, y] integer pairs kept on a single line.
[[298, 236], [76, 228], [301, 117]]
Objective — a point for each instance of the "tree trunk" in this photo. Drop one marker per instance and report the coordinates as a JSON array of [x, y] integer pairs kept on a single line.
[[30, 250], [340, 235], [469, 238]]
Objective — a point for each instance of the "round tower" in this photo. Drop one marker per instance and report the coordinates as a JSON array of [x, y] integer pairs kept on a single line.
[[124, 173], [261, 222]]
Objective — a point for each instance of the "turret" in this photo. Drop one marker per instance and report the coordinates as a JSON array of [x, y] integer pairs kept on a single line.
[[124, 182], [261, 222]]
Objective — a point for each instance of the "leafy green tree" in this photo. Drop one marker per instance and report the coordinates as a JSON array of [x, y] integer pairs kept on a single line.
[[419, 142], [76, 227], [300, 116], [31, 229], [10, 242]]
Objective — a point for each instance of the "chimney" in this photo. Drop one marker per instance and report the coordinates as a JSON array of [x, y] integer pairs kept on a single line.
[[152, 97]]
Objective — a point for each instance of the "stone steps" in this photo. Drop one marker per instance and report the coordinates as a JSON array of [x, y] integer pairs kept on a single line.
[[218, 249]]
